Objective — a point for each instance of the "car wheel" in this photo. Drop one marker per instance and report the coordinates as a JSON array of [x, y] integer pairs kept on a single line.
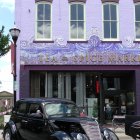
[[7, 135], [109, 134]]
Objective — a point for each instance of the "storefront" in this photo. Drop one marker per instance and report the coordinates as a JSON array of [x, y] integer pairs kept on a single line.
[[91, 74]]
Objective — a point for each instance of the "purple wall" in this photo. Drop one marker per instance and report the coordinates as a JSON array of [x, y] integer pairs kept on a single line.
[[137, 82], [25, 16], [25, 21]]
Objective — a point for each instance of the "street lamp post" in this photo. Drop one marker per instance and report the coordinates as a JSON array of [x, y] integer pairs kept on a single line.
[[14, 33]]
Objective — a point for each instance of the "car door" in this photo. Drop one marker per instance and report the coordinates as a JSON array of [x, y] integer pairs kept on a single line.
[[20, 119], [36, 126]]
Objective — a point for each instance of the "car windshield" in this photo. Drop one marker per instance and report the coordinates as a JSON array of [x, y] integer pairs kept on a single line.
[[63, 109]]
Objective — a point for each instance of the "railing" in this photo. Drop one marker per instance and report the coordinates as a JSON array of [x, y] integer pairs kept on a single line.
[[118, 121], [5, 112]]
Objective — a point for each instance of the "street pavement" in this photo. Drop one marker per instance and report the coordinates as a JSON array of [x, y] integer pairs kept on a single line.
[[121, 134]]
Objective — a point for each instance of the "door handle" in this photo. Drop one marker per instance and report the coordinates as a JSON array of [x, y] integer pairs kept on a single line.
[[24, 121]]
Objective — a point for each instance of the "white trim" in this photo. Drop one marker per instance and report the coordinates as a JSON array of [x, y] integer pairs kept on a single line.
[[43, 39], [77, 39], [117, 21], [136, 39]]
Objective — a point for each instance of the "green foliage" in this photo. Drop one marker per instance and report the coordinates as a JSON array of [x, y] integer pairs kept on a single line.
[[4, 42], [95, 110], [2, 109], [1, 122]]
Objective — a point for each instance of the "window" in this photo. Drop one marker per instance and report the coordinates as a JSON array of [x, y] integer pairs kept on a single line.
[[77, 21], [34, 107], [110, 21], [43, 21], [22, 108], [137, 20]]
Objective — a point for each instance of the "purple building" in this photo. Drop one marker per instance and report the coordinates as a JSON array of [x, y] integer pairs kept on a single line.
[[84, 50]]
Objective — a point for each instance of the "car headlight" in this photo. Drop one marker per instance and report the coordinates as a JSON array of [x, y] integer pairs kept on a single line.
[[106, 134], [66, 138], [109, 134], [79, 137]]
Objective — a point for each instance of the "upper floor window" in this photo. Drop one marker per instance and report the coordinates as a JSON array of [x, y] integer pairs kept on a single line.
[[77, 21], [110, 21], [137, 20], [43, 21]]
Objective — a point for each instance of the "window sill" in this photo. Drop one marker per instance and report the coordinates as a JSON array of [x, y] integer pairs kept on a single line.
[[115, 41], [77, 41], [43, 41], [136, 41]]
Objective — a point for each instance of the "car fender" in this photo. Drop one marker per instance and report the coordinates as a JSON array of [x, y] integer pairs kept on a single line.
[[59, 135], [11, 125]]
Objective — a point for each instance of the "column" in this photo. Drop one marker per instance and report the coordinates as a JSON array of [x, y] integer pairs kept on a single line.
[[60, 85], [48, 85], [68, 86], [80, 89]]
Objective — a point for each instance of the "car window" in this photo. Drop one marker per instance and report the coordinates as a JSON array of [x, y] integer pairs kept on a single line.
[[61, 108], [22, 108], [34, 107]]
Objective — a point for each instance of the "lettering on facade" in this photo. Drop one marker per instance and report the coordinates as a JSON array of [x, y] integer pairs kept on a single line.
[[91, 58]]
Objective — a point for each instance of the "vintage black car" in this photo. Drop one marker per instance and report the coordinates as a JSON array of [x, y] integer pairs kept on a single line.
[[52, 119], [132, 126]]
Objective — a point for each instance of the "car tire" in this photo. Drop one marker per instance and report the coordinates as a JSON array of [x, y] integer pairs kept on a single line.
[[7, 134]]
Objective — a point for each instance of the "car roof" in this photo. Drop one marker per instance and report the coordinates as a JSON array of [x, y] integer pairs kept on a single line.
[[42, 100]]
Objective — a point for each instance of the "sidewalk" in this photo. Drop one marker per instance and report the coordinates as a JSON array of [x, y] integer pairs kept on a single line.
[[121, 134]]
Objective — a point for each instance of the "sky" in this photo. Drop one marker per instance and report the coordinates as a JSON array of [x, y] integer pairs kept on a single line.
[[6, 20]]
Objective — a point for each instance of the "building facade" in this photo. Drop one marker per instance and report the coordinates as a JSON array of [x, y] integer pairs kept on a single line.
[[6, 101], [84, 50]]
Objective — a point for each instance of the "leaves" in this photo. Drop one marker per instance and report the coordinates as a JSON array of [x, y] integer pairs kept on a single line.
[[4, 42]]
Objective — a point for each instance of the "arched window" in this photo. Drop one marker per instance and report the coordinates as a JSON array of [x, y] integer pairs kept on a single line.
[[43, 22]]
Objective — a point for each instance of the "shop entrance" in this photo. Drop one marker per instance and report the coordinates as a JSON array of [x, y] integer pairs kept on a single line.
[[92, 91], [112, 105], [118, 94]]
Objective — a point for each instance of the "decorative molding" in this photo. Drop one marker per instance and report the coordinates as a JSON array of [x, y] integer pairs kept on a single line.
[[77, 1], [135, 1], [94, 52], [43, 0], [128, 42], [59, 41], [116, 1]]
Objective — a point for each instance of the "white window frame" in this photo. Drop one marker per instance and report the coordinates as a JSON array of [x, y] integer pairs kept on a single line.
[[117, 12], [136, 39], [77, 39], [43, 39]]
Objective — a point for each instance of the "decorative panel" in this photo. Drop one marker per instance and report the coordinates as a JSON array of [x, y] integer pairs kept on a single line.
[[95, 52]]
